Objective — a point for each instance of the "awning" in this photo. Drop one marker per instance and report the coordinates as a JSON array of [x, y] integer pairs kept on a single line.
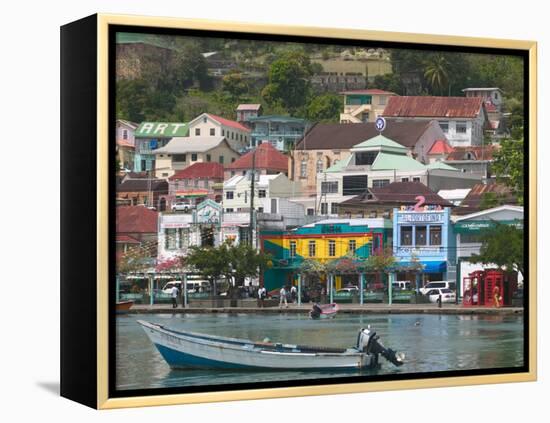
[[194, 193], [429, 266]]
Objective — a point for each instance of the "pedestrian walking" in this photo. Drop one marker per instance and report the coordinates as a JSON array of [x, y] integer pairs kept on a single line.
[[282, 298], [293, 294], [175, 292]]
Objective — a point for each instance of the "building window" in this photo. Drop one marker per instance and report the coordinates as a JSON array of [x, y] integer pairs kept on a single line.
[[382, 100], [334, 208], [212, 131], [366, 159], [354, 184], [416, 179], [204, 119], [208, 157], [221, 160], [469, 238], [303, 168], [406, 235], [125, 134], [179, 157], [194, 157], [352, 246], [183, 238], [229, 210], [435, 235], [196, 183], [310, 212], [420, 235], [170, 238], [444, 126], [232, 159], [379, 183], [229, 195], [261, 193], [260, 209], [331, 248], [461, 127], [329, 187], [404, 179], [292, 249], [223, 132], [197, 131], [312, 248], [324, 208], [319, 165]]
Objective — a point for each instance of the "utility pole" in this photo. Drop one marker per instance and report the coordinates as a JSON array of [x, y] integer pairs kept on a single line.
[[252, 181]]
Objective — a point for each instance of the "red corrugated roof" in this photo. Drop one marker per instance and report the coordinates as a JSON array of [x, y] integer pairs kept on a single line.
[[126, 239], [230, 123], [371, 91], [124, 143], [473, 153], [436, 107], [136, 219], [267, 157], [441, 147], [206, 170]]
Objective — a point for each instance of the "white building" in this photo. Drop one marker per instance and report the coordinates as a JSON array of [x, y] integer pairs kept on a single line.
[[377, 162], [462, 119], [181, 152], [268, 192], [468, 229], [209, 125]]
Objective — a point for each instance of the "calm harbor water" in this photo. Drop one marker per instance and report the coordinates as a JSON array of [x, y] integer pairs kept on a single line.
[[431, 343]]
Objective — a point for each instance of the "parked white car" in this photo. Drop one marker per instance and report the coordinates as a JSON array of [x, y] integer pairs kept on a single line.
[[447, 296], [437, 285], [182, 206]]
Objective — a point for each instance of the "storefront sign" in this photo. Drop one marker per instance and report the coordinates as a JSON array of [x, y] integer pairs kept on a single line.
[[417, 217], [476, 226]]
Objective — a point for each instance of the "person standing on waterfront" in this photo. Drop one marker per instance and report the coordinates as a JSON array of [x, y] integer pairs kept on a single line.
[[175, 292], [293, 294], [282, 297], [261, 296], [497, 299]]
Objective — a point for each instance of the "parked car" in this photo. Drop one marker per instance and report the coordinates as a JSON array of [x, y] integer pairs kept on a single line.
[[350, 288], [437, 285], [192, 286], [401, 285], [447, 296], [182, 206]]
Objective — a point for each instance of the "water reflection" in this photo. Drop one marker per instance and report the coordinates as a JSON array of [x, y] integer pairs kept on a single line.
[[431, 343]]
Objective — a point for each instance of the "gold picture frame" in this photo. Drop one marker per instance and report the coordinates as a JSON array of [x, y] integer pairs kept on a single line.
[[98, 27]]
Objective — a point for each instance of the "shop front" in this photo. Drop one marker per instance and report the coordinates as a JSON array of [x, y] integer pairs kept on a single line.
[[305, 254], [422, 237], [468, 230]]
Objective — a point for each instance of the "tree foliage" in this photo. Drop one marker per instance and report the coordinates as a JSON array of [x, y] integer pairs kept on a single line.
[[227, 261], [289, 83], [508, 166], [503, 246], [325, 108]]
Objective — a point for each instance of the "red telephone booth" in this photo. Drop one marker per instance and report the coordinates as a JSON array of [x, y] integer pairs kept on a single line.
[[483, 287]]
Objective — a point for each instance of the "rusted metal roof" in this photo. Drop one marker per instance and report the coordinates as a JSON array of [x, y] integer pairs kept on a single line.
[[433, 107], [398, 193]]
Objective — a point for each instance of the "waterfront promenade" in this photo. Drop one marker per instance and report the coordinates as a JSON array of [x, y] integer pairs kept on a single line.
[[344, 308]]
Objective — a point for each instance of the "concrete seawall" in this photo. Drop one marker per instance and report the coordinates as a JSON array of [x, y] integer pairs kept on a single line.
[[344, 309]]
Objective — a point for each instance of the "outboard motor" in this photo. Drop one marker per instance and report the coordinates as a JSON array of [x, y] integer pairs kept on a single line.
[[315, 312], [369, 342]]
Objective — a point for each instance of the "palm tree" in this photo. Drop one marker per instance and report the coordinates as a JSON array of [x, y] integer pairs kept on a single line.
[[437, 72]]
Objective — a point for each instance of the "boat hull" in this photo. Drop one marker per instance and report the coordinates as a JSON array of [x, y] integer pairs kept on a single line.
[[123, 306], [328, 311], [189, 350]]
